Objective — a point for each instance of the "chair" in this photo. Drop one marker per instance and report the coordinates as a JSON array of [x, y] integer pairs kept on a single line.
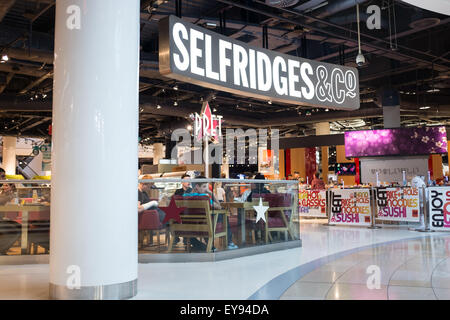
[[10, 232], [198, 220], [279, 214], [148, 220], [39, 231]]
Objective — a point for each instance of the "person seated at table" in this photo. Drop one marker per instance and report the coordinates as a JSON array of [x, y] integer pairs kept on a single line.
[[145, 203], [219, 192], [185, 186], [202, 189], [7, 193], [256, 188], [2, 174], [317, 183]]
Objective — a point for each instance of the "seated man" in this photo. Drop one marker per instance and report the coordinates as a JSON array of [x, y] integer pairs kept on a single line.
[[256, 188], [185, 186], [144, 202], [7, 193], [202, 189]]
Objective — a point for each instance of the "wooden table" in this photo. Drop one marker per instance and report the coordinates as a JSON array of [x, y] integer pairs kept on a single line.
[[25, 216], [242, 207]]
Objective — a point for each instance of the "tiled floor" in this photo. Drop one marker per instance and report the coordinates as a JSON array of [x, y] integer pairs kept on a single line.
[[411, 269], [337, 258]]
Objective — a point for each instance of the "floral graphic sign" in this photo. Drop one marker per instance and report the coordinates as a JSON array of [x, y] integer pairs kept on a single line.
[[400, 141]]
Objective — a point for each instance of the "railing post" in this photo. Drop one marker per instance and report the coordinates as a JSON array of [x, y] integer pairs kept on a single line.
[[329, 191], [426, 213], [373, 209]]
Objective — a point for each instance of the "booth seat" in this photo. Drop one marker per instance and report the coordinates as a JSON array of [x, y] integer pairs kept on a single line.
[[278, 215], [198, 220], [148, 220]]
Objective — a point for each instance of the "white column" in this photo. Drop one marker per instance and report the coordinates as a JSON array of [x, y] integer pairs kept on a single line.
[[95, 151], [9, 155], [158, 152]]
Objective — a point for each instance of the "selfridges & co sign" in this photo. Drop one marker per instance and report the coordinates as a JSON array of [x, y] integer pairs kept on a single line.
[[196, 55]]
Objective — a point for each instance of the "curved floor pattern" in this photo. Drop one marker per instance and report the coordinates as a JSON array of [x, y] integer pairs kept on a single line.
[[416, 269], [271, 275]]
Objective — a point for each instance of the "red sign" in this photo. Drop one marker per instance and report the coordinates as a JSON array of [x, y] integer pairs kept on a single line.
[[207, 124]]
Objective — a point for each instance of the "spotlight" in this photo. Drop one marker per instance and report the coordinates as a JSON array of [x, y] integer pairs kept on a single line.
[[214, 109], [326, 110], [175, 87], [44, 95], [269, 102], [5, 58], [175, 103], [158, 107]]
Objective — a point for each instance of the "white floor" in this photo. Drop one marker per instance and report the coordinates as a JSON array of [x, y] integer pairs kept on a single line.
[[231, 279]]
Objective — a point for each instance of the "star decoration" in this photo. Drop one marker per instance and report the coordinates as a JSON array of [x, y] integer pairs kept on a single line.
[[172, 212], [260, 211]]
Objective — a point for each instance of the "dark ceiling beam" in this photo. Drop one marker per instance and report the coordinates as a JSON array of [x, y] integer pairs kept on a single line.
[[5, 5], [7, 81], [36, 82], [21, 124], [340, 4], [40, 13], [31, 55], [35, 124], [409, 58]]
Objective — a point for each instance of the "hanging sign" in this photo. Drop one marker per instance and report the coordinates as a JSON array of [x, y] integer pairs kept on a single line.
[[312, 203], [398, 204], [439, 208], [46, 150], [350, 207], [207, 124], [196, 55]]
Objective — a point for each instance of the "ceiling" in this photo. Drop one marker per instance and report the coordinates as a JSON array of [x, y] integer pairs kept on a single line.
[[410, 53]]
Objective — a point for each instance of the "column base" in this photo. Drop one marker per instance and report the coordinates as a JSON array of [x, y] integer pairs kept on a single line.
[[117, 291]]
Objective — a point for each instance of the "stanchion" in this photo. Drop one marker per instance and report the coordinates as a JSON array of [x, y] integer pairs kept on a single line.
[[373, 207], [328, 224], [426, 213]]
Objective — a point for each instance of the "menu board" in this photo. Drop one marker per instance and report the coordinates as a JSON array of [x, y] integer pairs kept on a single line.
[[439, 208], [398, 204], [350, 207], [312, 203]]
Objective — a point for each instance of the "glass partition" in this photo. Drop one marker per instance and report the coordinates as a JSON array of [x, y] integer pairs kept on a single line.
[[24, 217], [174, 215], [212, 215]]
